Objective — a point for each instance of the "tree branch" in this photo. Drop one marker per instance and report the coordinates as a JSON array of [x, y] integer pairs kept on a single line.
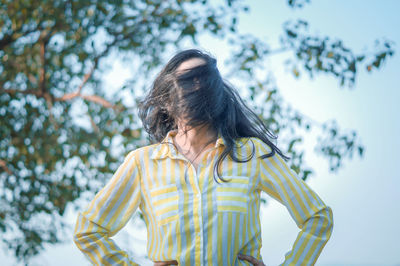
[[277, 51], [93, 98], [95, 127], [42, 74], [68, 96], [13, 92], [88, 75], [98, 99]]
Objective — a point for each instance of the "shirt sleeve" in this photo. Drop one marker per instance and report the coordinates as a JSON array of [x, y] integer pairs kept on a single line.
[[107, 213], [311, 214]]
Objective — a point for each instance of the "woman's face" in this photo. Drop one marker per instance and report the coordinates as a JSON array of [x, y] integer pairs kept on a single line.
[[184, 66]]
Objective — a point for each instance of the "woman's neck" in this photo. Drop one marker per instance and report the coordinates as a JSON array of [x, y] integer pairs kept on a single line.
[[196, 139]]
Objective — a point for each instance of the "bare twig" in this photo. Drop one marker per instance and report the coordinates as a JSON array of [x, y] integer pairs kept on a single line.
[[277, 51], [95, 127], [88, 75], [3, 165], [49, 102]]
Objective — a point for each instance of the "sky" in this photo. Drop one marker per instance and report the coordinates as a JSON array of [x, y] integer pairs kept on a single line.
[[365, 193]]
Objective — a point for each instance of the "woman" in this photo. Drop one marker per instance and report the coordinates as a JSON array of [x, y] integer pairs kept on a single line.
[[198, 185]]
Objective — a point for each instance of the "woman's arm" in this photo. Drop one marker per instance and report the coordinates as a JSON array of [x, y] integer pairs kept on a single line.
[[312, 216], [107, 213]]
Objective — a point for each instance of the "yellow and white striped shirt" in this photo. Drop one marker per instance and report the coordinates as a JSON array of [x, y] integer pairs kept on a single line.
[[192, 219]]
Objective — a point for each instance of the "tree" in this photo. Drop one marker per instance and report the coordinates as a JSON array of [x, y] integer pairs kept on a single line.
[[51, 64]]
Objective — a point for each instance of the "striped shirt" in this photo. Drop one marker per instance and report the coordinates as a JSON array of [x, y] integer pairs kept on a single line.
[[193, 219]]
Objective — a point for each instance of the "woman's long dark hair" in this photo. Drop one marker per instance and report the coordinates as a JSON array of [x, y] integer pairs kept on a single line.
[[203, 98]]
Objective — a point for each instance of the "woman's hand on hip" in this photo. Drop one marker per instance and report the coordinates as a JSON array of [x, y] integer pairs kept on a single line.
[[248, 258], [251, 259], [165, 263]]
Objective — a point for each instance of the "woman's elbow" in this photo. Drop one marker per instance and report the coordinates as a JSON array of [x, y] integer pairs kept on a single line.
[[329, 221], [78, 233]]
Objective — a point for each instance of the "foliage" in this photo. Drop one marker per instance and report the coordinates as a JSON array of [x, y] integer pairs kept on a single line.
[[52, 61]]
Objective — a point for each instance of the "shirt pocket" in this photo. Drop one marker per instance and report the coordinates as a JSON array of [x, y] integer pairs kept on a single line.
[[165, 201], [233, 196]]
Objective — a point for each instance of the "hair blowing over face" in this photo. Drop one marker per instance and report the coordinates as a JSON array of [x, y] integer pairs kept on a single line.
[[202, 98]]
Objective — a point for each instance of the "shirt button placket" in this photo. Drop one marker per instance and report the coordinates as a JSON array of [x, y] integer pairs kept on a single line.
[[200, 220]]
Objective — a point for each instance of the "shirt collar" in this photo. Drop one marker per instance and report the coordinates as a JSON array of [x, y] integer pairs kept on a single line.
[[168, 149]]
